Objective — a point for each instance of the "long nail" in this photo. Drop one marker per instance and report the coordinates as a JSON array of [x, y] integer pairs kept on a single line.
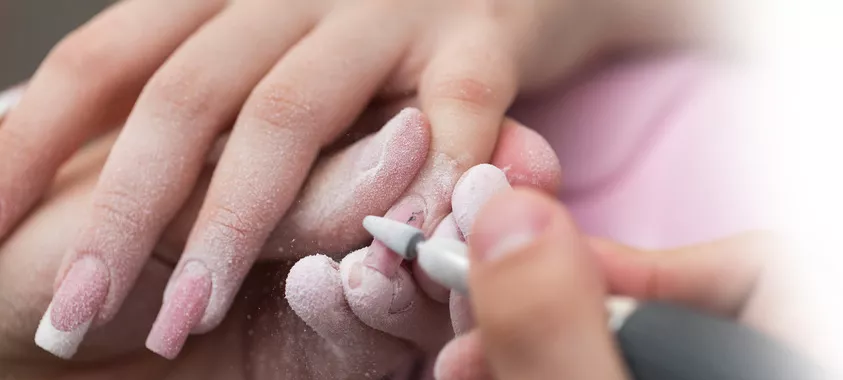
[[182, 310], [74, 306], [411, 210]]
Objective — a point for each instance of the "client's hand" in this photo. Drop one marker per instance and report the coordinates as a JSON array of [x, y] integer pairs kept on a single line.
[[262, 338]]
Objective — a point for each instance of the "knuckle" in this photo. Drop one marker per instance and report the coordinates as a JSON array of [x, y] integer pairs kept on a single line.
[[283, 107], [466, 92], [84, 54], [232, 225], [120, 208], [181, 91]]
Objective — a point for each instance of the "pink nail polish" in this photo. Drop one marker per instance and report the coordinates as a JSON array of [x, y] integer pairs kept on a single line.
[[182, 310], [412, 211], [74, 306]]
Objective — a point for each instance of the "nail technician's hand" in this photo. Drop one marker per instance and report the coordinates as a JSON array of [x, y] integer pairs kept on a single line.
[[538, 289], [291, 76]]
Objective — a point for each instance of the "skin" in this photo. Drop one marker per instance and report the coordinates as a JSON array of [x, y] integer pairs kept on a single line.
[[288, 78], [262, 337], [568, 275]]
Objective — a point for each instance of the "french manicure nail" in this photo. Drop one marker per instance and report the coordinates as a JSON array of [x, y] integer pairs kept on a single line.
[[412, 211], [74, 306], [182, 310]]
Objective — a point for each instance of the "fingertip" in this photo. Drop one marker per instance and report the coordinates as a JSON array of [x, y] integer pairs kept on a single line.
[[476, 186], [523, 214], [527, 158], [313, 290], [394, 304]]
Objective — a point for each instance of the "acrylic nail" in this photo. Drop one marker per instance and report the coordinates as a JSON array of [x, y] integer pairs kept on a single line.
[[182, 310], [411, 210], [74, 306]]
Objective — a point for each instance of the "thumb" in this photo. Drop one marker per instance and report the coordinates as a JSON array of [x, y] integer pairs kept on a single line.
[[537, 295]]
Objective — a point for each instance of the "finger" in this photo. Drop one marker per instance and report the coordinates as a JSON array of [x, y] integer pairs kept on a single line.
[[186, 105], [717, 276], [373, 118], [363, 179], [314, 291], [394, 305], [472, 192], [474, 189], [162, 149], [465, 92], [301, 105], [527, 158], [463, 359], [87, 84], [537, 293]]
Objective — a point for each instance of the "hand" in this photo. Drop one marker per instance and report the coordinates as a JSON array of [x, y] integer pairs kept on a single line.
[[262, 334], [538, 289], [357, 307], [290, 76]]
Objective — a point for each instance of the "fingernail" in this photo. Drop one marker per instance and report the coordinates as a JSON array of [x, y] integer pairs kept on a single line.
[[401, 297], [9, 99], [473, 191], [511, 232], [389, 139], [412, 211], [181, 311], [355, 276], [74, 306]]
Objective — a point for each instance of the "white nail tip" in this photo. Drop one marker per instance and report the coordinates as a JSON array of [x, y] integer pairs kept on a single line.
[[59, 343], [9, 99]]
